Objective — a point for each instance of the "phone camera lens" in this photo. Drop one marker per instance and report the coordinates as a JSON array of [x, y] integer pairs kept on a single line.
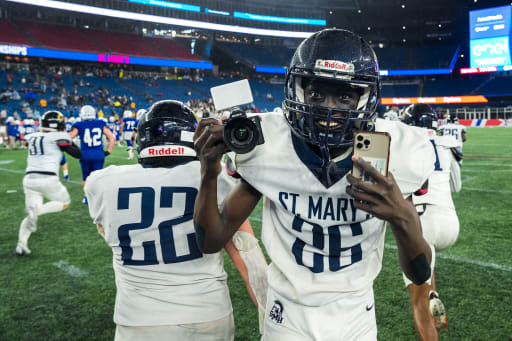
[[359, 137], [359, 145], [366, 142]]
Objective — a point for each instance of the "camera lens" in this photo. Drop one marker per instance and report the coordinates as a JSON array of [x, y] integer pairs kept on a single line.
[[241, 134], [366, 142], [359, 145], [359, 137]]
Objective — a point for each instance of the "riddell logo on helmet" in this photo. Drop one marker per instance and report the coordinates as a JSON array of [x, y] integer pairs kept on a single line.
[[163, 151], [334, 65]]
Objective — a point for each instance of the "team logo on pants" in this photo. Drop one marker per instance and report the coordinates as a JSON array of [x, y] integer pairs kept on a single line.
[[276, 313]]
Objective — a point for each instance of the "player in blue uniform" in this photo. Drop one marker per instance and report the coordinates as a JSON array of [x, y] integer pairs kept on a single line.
[[13, 133], [127, 126], [91, 133]]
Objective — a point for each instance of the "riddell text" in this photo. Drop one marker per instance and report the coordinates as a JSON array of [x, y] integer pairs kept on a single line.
[[166, 151]]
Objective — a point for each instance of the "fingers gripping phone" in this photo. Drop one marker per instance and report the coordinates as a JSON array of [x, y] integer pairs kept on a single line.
[[372, 147]]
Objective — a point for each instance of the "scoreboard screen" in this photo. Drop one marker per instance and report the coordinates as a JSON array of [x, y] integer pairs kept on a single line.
[[490, 37]]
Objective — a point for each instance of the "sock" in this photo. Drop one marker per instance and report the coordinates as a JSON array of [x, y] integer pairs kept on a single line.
[[24, 233], [130, 153], [65, 172]]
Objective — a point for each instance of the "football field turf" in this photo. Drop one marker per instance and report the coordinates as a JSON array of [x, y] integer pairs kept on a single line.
[[65, 289]]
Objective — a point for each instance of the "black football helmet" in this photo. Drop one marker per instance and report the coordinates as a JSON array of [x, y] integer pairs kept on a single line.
[[420, 115], [53, 120], [452, 118], [340, 57], [165, 132]]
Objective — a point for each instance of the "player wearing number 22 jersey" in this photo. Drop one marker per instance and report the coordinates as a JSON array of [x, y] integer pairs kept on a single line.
[[167, 289], [90, 130]]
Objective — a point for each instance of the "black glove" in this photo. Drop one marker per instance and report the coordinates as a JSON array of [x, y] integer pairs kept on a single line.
[[106, 152]]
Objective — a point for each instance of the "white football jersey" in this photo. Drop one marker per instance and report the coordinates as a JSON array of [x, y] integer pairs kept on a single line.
[[321, 246], [439, 191], [44, 154], [162, 277], [454, 130]]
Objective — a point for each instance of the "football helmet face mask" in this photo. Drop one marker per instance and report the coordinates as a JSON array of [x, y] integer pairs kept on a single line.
[[165, 132], [340, 58], [87, 112], [420, 115], [452, 118], [52, 121], [111, 119], [127, 114]]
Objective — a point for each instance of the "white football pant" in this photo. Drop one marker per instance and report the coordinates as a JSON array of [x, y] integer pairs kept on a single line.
[[352, 317], [440, 227], [36, 188], [219, 330]]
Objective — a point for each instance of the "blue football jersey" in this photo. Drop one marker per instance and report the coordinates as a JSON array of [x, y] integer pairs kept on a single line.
[[130, 123], [69, 126], [91, 138]]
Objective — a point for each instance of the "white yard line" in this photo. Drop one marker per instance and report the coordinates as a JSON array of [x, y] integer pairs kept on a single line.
[[15, 171], [70, 269], [486, 190], [443, 256], [465, 260], [468, 170]]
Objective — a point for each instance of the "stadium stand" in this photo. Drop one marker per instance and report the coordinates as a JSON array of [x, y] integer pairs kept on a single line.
[[399, 58], [172, 49], [59, 37], [400, 90], [9, 33], [124, 43]]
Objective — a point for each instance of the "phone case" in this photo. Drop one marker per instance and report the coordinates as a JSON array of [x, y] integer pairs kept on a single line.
[[373, 147]]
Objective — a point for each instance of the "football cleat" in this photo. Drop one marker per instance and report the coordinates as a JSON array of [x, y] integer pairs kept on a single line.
[[66, 178], [84, 201], [22, 249], [437, 311]]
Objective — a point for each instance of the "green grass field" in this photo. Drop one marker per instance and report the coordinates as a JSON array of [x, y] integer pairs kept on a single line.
[[65, 289]]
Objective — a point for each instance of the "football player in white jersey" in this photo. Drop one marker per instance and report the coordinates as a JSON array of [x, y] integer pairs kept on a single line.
[[454, 128], [438, 220], [41, 177], [167, 289], [323, 228]]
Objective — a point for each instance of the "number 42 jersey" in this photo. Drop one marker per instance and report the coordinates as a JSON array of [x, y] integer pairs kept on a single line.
[[321, 246], [91, 139], [162, 277]]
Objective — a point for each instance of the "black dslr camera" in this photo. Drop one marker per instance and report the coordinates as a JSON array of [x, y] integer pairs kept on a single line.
[[242, 133]]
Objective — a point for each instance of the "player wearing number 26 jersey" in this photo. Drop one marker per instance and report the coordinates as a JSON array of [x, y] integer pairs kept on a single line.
[[323, 228], [41, 180], [90, 130], [167, 289]]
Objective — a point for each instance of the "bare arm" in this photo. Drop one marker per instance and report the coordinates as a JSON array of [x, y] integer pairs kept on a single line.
[[384, 200], [110, 137], [101, 231], [213, 228], [73, 133]]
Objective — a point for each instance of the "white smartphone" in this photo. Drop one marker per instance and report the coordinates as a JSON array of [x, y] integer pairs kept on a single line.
[[372, 147]]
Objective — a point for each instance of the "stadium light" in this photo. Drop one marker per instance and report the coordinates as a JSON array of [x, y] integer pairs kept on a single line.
[[159, 19]]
